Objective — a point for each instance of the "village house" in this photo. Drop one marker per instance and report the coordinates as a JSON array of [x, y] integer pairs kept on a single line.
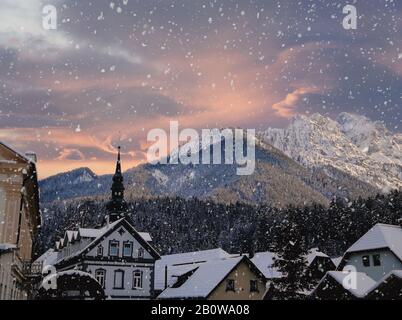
[[19, 220], [229, 278], [169, 267], [371, 264], [119, 257]]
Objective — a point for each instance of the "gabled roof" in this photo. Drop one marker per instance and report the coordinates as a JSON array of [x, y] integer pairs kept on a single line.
[[106, 231], [19, 155], [386, 280], [181, 263], [364, 283], [206, 277], [48, 258], [264, 262], [379, 237]]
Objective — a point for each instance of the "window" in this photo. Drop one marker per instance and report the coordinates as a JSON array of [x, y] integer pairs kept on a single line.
[[119, 279], [253, 286], [127, 249], [137, 279], [230, 285], [100, 251], [366, 261], [377, 260], [113, 248], [141, 253], [100, 276]]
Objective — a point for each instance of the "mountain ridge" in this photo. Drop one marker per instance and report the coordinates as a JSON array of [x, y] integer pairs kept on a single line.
[[352, 143]]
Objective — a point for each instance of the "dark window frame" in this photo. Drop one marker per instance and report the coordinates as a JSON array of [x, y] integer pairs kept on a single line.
[[366, 261], [141, 279], [131, 249], [376, 260], [122, 279], [254, 285], [118, 248], [104, 277], [230, 285]]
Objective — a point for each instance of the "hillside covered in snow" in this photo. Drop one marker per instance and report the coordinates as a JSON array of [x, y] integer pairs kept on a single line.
[[352, 144]]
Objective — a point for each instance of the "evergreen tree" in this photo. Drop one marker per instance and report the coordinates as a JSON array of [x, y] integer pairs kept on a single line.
[[291, 257]]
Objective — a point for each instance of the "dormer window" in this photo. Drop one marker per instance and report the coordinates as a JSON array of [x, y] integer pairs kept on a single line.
[[113, 248], [99, 252], [127, 249]]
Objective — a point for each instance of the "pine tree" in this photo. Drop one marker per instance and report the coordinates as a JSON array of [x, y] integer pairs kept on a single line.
[[291, 257]]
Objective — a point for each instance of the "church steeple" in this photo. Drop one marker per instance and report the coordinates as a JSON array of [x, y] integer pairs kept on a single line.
[[117, 206]]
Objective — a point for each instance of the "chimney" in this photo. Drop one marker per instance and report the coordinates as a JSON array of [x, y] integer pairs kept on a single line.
[[31, 156]]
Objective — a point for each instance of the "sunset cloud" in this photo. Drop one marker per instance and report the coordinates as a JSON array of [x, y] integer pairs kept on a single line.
[[105, 78], [288, 107]]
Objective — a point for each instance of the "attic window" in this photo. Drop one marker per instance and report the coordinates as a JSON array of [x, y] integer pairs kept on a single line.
[[140, 253], [121, 231], [366, 261], [127, 249], [230, 285], [253, 286], [113, 248]]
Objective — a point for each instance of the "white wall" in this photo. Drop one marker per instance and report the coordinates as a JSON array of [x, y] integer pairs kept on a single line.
[[389, 262], [128, 269]]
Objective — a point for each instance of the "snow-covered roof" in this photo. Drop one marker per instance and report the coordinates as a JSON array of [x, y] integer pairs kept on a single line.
[[264, 261], [203, 281], [7, 246], [72, 273], [95, 235], [89, 233], [48, 258], [17, 153], [380, 236], [364, 283], [181, 263], [337, 261], [314, 253], [385, 279], [192, 257]]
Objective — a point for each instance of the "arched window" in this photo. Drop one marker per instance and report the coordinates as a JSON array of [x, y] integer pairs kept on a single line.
[[137, 279], [100, 276]]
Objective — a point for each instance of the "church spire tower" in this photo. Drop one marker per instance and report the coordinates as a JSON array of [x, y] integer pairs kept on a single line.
[[117, 206]]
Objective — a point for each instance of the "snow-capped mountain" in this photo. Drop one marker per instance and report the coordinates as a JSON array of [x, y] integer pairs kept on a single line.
[[352, 143], [68, 184], [277, 180]]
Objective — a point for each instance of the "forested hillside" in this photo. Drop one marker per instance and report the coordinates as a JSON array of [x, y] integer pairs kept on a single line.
[[180, 225]]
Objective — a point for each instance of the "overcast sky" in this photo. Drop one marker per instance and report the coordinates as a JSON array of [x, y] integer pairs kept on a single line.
[[113, 70]]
